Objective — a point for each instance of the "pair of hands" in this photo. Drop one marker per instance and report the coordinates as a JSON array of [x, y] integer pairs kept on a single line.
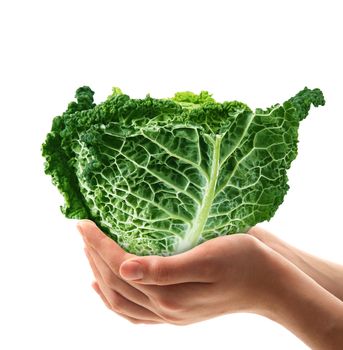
[[223, 275], [254, 272]]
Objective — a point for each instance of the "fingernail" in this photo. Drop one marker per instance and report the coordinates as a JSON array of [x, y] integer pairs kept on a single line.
[[131, 270]]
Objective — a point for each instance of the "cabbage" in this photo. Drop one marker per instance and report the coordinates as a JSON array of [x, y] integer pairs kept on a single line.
[[160, 176]]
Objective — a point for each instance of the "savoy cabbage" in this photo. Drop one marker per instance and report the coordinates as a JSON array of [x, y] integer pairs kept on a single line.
[[160, 176]]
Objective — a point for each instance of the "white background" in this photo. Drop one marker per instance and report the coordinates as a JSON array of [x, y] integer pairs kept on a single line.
[[258, 52]]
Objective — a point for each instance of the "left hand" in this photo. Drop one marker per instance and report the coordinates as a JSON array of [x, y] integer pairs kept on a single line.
[[223, 275]]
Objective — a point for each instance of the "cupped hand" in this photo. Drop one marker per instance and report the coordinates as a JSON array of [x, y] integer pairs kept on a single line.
[[227, 274]]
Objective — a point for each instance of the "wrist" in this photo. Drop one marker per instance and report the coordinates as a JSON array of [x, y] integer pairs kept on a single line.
[[304, 307], [325, 273]]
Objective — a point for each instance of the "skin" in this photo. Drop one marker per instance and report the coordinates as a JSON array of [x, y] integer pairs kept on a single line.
[[301, 292], [326, 273]]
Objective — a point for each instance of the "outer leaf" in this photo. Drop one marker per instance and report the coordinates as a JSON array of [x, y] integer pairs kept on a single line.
[[160, 176]]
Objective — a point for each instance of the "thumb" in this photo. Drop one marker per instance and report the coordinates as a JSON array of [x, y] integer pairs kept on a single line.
[[186, 267]]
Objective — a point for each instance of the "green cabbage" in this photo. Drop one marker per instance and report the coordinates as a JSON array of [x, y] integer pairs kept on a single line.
[[160, 176]]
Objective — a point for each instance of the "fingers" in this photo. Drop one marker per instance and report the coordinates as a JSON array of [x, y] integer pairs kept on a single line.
[[97, 289], [114, 282], [109, 250], [161, 299], [196, 265], [119, 303]]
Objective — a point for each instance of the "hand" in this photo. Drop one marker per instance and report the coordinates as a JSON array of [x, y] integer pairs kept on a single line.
[[224, 275], [326, 273]]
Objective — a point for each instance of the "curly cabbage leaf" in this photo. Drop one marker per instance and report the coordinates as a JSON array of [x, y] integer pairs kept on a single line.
[[160, 176]]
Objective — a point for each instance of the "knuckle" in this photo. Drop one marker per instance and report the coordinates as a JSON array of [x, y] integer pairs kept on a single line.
[[158, 272]]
